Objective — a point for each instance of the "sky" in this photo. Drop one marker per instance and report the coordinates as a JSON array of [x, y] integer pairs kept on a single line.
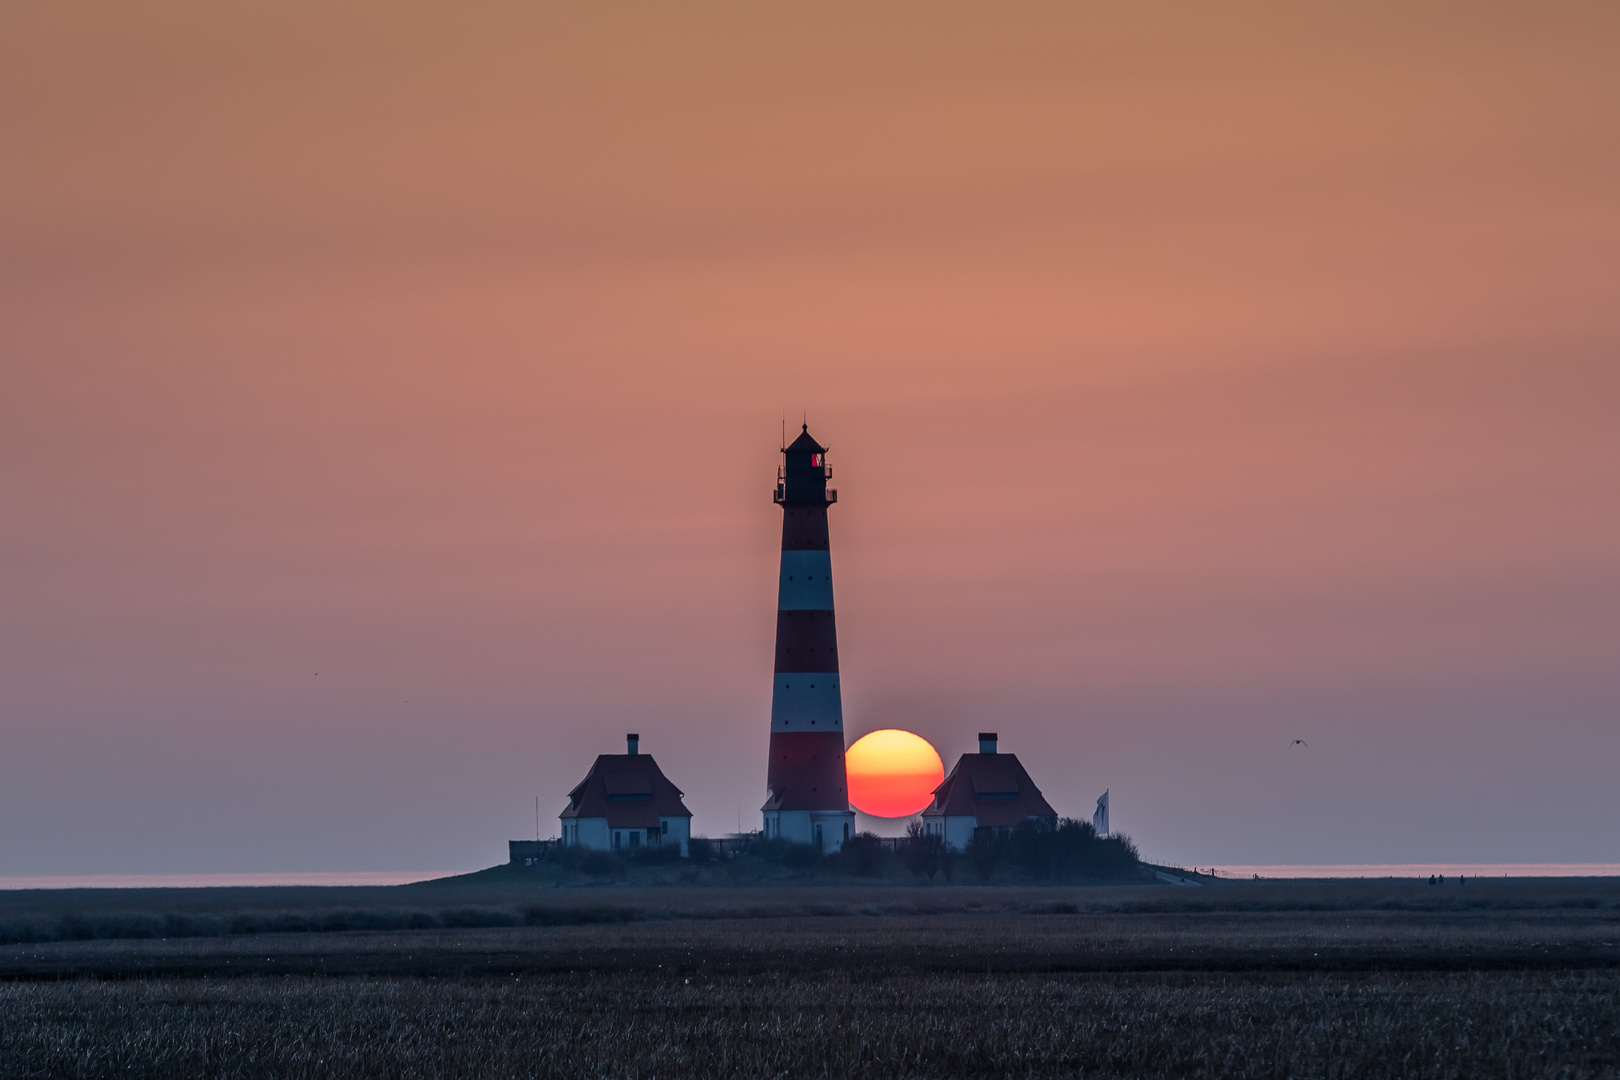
[[390, 398]]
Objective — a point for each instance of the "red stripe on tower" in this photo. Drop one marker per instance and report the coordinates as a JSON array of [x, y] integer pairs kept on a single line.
[[809, 794]]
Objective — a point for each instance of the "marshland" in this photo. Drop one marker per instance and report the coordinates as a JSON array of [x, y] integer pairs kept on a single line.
[[500, 976]]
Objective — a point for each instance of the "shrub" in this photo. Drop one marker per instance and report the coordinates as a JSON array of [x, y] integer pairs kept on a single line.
[[786, 853], [923, 852], [801, 856], [862, 854], [600, 863], [660, 854], [985, 853], [565, 856], [1042, 851]]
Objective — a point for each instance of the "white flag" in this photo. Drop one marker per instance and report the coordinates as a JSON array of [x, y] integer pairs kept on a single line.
[[1099, 820]]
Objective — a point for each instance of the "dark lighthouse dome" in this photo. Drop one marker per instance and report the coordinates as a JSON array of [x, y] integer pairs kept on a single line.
[[805, 472], [805, 444]]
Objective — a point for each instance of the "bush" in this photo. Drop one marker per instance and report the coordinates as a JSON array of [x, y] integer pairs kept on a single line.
[[659, 854], [862, 854], [1117, 857], [565, 856], [802, 856], [1044, 852], [600, 863], [700, 850], [984, 853], [786, 853], [923, 852]]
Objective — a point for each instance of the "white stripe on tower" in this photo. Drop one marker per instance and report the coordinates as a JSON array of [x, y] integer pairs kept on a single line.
[[806, 701], [806, 581]]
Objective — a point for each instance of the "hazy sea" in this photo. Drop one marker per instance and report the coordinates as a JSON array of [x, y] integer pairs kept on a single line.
[[197, 881], [402, 877], [1422, 870]]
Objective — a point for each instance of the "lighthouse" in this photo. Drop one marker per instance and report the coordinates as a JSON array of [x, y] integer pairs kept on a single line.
[[809, 794]]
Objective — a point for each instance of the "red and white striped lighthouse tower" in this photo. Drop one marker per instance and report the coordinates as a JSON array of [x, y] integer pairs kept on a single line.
[[809, 800]]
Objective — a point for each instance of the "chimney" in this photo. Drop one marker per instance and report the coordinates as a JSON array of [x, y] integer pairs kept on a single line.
[[987, 742], [633, 741]]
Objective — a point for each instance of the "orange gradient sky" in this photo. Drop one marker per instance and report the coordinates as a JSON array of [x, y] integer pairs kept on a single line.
[[1195, 379], [892, 773]]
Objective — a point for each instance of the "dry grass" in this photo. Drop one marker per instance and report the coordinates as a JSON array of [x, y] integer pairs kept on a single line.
[[1345, 979], [994, 942], [516, 900], [829, 1024]]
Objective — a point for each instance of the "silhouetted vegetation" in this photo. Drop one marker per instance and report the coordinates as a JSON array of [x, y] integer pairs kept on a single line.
[[925, 853], [1038, 852], [607, 864], [600, 863], [779, 852], [1030, 853], [862, 855], [654, 855]]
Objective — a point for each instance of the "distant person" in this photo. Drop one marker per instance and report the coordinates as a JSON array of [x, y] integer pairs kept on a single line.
[[1442, 879], [1431, 879]]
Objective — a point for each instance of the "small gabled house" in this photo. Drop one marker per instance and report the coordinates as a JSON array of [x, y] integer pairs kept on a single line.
[[986, 790], [624, 803]]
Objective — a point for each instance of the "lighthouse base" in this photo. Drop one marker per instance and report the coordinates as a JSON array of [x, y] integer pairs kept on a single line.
[[827, 829]]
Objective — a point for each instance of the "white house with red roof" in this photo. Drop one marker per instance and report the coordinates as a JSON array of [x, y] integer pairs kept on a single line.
[[626, 803], [986, 790]]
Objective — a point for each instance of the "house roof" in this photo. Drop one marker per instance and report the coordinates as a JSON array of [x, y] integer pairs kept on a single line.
[[630, 790], [994, 789]]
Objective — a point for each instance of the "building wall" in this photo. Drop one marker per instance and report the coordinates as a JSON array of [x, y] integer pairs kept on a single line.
[[836, 827], [799, 826], [678, 830], [594, 833], [791, 825], [959, 831], [586, 833]]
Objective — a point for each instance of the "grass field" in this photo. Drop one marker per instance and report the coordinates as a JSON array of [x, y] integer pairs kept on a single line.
[[1389, 979]]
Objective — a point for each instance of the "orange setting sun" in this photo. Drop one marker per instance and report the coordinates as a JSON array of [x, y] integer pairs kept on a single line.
[[892, 773]]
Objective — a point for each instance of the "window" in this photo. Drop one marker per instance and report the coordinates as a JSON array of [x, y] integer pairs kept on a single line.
[[816, 459], [618, 839]]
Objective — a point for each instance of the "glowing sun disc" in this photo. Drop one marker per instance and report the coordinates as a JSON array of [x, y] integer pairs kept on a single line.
[[892, 773]]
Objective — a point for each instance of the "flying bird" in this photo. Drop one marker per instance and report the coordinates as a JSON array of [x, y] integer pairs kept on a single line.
[[1300, 742]]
